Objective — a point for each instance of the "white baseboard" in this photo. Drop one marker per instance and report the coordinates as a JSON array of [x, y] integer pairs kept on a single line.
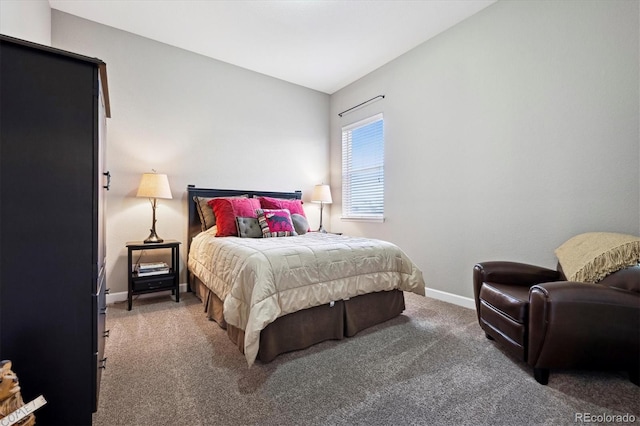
[[122, 296], [465, 302]]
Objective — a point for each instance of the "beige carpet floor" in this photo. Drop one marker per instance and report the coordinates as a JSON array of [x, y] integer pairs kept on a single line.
[[168, 365]]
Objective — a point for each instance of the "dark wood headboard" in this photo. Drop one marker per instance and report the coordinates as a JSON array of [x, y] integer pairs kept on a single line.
[[194, 220]]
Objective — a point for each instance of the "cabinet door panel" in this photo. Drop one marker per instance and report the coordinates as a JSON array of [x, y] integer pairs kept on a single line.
[[48, 227], [100, 336]]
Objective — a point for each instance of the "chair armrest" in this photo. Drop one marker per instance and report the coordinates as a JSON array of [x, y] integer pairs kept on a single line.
[[515, 273], [574, 324]]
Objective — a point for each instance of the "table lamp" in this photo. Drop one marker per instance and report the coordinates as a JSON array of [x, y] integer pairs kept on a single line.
[[154, 186], [322, 195]]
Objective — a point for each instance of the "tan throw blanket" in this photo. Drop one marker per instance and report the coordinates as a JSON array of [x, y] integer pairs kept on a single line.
[[261, 279], [592, 256]]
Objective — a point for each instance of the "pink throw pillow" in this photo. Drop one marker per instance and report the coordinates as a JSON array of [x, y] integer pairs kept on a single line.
[[294, 206], [275, 223]]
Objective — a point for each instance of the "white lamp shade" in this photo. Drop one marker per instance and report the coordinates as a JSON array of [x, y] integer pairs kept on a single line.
[[154, 185], [321, 194]]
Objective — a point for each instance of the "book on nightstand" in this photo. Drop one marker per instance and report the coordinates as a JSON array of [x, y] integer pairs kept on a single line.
[[149, 269]]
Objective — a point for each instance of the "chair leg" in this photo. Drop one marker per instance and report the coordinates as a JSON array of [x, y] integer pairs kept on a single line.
[[541, 375]]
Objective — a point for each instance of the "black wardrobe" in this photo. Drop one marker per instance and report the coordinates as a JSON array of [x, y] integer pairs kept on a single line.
[[53, 109]]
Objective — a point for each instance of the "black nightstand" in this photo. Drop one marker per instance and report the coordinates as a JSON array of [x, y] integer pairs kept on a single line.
[[152, 283]]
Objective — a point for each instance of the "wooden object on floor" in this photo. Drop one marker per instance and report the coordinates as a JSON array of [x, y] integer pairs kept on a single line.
[[10, 397]]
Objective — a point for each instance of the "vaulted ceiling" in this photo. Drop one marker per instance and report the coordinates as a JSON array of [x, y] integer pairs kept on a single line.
[[321, 44]]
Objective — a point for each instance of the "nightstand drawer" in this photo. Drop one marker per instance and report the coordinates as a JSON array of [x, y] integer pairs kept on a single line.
[[153, 283]]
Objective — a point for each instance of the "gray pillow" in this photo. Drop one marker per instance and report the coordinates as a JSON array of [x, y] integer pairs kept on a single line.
[[248, 227], [207, 219], [300, 223]]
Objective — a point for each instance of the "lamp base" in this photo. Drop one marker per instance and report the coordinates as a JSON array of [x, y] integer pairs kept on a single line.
[[153, 238], [321, 228]]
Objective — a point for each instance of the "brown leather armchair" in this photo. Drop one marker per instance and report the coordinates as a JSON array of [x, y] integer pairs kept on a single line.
[[548, 322]]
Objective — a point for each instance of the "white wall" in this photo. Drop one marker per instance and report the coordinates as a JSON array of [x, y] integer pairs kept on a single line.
[[201, 122], [29, 20], [505, 135]]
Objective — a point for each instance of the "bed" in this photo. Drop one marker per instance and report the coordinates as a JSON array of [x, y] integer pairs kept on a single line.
[[275, 295]]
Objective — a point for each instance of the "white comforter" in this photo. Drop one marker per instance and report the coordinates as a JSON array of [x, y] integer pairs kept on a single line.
[[261, 279]]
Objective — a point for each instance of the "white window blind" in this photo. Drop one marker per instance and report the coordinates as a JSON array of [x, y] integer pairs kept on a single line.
[[363, 169]]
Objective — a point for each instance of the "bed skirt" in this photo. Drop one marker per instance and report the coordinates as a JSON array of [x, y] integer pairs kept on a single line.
[[302, 329]]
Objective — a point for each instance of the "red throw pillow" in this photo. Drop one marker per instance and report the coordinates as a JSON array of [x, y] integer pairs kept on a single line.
[[294, 206], [227, 209]]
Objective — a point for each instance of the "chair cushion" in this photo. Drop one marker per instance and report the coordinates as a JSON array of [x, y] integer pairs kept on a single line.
[[503, 329], [512, 300], [625, 279]]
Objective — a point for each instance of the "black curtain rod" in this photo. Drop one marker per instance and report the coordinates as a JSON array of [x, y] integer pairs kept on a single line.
[[359, 105]]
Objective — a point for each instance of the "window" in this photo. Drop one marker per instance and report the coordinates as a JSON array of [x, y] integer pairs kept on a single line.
[[363, 169]]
